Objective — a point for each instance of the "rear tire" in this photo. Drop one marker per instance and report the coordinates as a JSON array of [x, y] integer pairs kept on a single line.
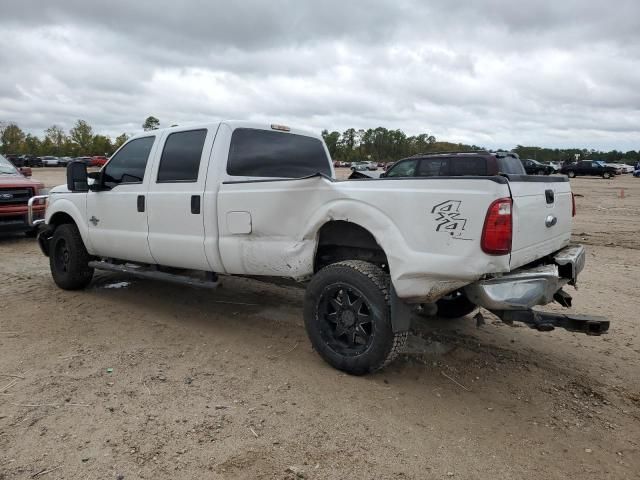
[[68, 259], [347, 316], [571, 174], [455, 305]]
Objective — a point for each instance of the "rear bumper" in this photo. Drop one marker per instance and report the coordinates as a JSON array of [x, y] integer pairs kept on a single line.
[[528, 287]]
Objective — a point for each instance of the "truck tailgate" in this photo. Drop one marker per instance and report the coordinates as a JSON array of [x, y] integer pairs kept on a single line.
[[542, 216]]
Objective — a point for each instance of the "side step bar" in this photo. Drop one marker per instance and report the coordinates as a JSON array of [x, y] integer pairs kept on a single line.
[[547, 321], [153, 274]]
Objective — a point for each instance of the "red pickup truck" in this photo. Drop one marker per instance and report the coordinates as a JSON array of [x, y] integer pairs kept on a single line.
[[15, 191]]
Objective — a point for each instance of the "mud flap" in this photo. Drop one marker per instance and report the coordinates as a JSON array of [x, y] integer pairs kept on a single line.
[[400, 313]]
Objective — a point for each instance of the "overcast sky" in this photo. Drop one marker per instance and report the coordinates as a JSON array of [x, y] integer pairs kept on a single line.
[[490, 72]]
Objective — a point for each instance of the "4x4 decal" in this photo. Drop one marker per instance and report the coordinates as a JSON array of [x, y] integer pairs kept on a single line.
[[449, 219]]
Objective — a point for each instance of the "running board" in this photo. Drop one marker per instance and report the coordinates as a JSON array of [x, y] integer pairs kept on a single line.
[[154, 274], [547, 321]]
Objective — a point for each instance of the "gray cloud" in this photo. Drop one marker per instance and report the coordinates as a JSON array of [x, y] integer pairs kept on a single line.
[[495, 73]]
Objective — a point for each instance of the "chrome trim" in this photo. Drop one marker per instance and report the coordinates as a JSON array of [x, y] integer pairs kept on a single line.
[[32, 222]]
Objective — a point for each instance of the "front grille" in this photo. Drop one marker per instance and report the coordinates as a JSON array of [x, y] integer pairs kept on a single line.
[[15, 196]]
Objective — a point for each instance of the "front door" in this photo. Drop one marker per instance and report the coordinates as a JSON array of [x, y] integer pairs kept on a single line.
[[176, 207], [117, 216]]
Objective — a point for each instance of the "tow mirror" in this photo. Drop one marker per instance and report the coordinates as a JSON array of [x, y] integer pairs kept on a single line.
[[77, 177]]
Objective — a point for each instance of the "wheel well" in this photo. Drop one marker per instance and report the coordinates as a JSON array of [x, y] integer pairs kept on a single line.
[[60, 218], [339, 240]]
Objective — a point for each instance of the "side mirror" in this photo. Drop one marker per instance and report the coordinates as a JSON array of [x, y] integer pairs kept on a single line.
[[26, 171], [77, 177]]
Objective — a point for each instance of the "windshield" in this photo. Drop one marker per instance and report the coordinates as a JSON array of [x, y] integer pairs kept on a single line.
[[6, 167], [600, 162]]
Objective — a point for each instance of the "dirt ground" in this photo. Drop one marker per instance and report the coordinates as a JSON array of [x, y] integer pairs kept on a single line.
[[154, 381]]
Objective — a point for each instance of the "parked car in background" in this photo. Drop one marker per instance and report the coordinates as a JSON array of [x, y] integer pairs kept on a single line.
[[98, 160], [533, 167], [359, 166], [621, 167], [50, 161], [85, 160], [64, 161], [589, 168], [15, 191], [556, 165], [31, 161], [456, 164]]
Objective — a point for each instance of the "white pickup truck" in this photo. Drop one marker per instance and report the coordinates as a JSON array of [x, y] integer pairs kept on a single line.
[[188, 204]]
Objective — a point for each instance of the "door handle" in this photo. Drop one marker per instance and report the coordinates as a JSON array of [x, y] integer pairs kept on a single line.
[[140, 203], [195, 204]]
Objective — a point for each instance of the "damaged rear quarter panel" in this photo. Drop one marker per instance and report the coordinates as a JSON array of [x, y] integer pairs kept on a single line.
[[429, 229]]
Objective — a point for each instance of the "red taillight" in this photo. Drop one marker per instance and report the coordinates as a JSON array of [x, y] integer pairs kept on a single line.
[[573, 204], [497, 231]]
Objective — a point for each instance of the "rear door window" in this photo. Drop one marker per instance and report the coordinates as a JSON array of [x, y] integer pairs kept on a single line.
[[181, 155], [265, 153], [432, 167], [129, 163]]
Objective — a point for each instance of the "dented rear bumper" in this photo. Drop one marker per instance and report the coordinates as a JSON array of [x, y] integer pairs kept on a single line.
[[528, 287]]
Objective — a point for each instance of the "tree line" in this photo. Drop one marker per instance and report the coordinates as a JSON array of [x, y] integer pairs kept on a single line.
[[376, 144], [383, 145], [80, 140]]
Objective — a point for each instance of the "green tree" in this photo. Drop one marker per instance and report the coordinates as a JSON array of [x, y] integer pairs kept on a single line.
[[56, 138], [82, 135], [32, 144], [101, 145], [151, 123], [119, 141], [331, 140], [12, 139]]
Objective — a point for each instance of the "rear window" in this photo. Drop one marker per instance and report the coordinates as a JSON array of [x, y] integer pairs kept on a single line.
[[263, 153], [460, 166], [511, 165]]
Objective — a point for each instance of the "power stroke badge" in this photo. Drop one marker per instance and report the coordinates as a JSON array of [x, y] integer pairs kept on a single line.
[[449, 219]]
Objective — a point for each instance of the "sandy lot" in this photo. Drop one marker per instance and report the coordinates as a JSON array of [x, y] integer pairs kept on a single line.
[[224, 384]]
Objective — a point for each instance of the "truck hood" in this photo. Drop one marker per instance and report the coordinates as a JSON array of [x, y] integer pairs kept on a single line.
[[9, 181], [59, 189]]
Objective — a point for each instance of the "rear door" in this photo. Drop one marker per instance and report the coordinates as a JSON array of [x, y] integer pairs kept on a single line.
[[542, 216], [261, 212], [174, 200]]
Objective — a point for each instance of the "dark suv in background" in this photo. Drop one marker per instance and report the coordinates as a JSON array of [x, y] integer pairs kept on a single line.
[[455, 164], [533, 167], [594, 168]]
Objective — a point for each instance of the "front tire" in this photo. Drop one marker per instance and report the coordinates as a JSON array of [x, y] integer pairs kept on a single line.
[[347, 316], [606, 175], [68, 259], [540, 172], [571, 174]]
